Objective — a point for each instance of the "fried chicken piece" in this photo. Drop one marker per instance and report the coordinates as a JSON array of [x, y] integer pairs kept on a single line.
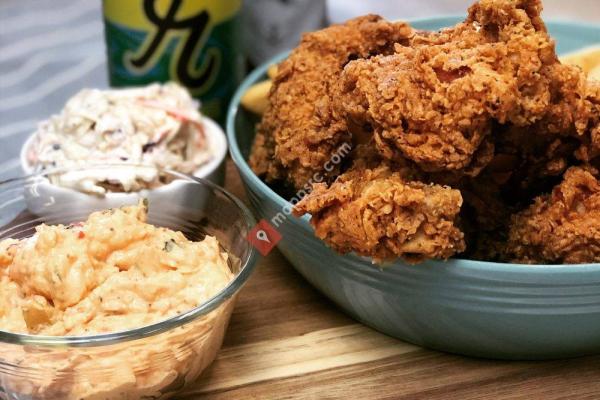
[[574, 104], [527, 163], [535, 160], [561, 227], [262, 159], [382, 212], [568, 131], [485, 215], [435, 100], [300, 131], [586, 107]]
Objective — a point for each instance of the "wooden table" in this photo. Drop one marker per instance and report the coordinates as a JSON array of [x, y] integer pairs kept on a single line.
[[287, 341]]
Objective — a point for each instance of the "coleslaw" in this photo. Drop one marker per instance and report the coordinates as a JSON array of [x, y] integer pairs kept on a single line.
[[158, 125]]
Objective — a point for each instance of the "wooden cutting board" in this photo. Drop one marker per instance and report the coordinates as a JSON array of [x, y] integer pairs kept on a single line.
[[287, 341]]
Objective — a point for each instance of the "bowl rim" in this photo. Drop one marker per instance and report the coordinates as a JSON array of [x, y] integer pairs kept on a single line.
[[215, 134], [453, 18], [462, 263], [246, 268]]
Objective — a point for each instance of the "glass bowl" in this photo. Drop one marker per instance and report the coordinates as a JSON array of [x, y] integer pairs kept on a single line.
[[150, 362]]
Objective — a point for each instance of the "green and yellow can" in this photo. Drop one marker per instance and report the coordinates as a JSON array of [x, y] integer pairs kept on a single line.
[[193, 42]]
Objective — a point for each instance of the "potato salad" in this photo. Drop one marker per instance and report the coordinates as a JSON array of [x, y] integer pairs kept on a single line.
[[112, 273]]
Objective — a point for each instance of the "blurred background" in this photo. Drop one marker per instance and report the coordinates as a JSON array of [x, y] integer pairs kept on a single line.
[[276, 22], [50, 49], [584, 10]]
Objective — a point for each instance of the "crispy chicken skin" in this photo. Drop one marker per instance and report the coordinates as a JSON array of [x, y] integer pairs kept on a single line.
[[434, 100], [300, 130], [381, 212], [586, 117], [454, 134], [561, 227]]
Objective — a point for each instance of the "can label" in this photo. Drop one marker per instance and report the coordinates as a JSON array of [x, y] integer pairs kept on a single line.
[[193, 42]]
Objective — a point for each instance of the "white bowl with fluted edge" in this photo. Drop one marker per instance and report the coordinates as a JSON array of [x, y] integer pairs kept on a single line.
[[53, 195]]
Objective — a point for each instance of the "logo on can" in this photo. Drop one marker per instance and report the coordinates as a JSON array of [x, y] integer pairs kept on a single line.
[[193, 42]]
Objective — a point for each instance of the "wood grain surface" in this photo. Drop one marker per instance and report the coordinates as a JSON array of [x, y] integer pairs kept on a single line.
[[287, 341]]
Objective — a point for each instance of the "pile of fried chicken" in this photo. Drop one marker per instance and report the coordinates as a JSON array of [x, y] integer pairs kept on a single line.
[[474, 141]]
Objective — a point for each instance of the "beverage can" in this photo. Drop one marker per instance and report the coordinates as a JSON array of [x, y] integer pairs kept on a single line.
[[193, 42]]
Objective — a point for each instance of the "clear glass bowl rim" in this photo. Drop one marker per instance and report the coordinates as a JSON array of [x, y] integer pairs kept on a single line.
[[246, 268]]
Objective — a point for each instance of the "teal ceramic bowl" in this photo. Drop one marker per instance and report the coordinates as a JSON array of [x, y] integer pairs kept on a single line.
[[483, 309]]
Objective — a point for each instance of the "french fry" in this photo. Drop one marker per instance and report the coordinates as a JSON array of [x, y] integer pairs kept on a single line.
[[256, 98], [588, 59], [272, 71], [595, 73]]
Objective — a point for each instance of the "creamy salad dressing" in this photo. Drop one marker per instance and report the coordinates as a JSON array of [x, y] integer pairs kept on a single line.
[[156, 125]]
